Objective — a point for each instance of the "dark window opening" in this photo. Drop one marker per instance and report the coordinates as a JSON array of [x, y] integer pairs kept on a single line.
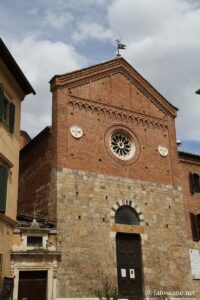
[[195, 226], [126, 215], [194, 183], [1, 263], [7, 288], [3, 187], [34, 241], [7, 111]]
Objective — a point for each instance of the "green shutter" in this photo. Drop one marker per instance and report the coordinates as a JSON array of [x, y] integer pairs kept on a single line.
[[12, 117], [3, 187], [1, 104]]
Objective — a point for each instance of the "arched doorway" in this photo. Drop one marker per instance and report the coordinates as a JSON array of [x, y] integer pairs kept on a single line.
[[129, 256]]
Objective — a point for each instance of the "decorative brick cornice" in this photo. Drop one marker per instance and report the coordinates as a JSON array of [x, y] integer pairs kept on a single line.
[[118, 114], [110, 68]]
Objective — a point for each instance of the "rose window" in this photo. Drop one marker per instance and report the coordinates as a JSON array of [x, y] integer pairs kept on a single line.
[[122, 145]]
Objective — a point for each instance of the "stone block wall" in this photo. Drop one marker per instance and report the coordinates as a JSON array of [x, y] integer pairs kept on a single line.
[[86, 234]]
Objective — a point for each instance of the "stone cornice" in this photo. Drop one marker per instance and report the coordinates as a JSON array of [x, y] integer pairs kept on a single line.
[[7, 220], [110, 68], [6, 160], [116, 113], [35, 253]]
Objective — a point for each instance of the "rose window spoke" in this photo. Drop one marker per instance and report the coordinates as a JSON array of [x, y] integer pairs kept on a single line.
[[122, 145]]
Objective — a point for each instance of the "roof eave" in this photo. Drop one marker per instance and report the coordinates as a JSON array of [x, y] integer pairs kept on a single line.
[[189, 155], [77, 75], [15, 70]]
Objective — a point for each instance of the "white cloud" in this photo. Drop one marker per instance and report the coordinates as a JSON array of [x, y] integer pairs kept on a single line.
[[40, 60], [57, 20], [138, 19], [87, 30], [163, 44]]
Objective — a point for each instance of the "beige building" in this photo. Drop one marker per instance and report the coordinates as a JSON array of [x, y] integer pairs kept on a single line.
[[13, 88]]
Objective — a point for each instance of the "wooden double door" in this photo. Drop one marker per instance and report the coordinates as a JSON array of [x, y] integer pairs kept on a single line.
[[129, 266], [32, 285]]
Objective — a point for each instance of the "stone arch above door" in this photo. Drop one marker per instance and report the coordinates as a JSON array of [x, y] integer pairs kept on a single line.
[[130, 203]]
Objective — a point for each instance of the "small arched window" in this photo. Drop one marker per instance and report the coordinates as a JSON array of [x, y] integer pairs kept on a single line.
[[194, 183], [195, 223], [126, 215]]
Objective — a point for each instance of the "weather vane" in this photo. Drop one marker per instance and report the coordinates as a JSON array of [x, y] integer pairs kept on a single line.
[[120, 46]]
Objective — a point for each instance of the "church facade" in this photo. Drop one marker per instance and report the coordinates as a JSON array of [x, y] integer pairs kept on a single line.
[[107, 178]]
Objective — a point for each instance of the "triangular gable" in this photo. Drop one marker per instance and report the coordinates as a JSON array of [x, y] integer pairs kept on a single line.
[[117, 65]]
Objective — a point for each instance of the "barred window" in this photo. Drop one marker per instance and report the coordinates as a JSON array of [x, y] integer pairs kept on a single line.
[[126, 215], [34, 241]]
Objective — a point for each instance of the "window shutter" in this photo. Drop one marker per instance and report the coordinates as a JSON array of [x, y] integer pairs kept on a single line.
[[1, 263], [12, 117], [3, 187], [195, 229], [191, 181], [1, 103]]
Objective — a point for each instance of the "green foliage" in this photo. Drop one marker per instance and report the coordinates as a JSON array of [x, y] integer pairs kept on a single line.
[[108, 291]]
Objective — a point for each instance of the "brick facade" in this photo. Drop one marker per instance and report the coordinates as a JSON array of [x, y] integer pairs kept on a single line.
[[80, 184], [35, 167], [189, 164]]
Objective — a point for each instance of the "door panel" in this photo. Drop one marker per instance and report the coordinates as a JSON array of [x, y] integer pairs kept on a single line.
[[129, 259], [32, 285]]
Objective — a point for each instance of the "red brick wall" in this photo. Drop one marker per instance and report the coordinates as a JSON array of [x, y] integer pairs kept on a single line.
[[34, 174], [191, 201], [113, 93]]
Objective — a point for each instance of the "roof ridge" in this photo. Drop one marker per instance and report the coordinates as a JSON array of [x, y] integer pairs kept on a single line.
[[82, 76]]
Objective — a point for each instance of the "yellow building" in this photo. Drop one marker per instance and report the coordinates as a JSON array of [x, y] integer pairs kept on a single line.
[[13, 88]]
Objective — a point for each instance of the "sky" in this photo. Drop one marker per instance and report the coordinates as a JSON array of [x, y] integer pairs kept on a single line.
[[48, 37]]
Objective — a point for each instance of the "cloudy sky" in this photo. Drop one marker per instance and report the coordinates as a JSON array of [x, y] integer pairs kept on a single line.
[[49, 37]]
